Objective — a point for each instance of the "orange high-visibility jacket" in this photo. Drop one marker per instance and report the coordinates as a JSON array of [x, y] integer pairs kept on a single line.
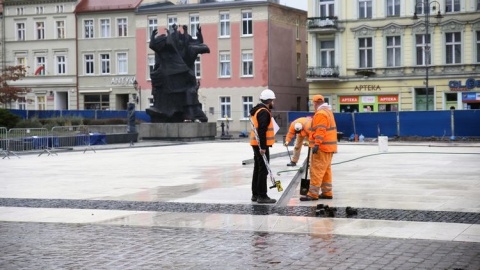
[[270, 132], [324, 131], [306, 124]]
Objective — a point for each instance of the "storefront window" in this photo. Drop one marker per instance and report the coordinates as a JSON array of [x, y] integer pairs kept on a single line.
[[97, 102], [421, 99]]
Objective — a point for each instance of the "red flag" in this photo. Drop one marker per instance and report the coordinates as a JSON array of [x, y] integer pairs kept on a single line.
[[39, 69]]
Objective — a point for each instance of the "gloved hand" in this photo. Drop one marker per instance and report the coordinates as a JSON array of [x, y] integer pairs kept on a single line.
[[315, 149], [154, 33], [286, 143], [305, 143]]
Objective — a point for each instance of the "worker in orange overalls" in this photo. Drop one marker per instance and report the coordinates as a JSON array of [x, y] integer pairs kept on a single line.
[[301, 128], [323, 140]]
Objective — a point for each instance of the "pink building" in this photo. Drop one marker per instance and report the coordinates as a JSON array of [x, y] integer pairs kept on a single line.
[[253, 45]]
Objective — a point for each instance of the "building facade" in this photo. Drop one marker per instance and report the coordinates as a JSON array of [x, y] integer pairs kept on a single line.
[[106, 54], [392, 55], [40, 35], [253, 45]]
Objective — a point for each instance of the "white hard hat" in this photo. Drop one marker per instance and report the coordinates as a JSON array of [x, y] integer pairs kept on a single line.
[[298, 126], [267, 94]]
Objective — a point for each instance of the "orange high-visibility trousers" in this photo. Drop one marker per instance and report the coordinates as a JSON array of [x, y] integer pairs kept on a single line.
[[297, 148], [321, 174]]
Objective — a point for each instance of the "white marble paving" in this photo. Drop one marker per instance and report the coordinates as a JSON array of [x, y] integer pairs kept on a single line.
[[415, 177]]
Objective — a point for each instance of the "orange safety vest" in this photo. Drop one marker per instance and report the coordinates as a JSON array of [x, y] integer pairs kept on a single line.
[[324, 131], [270, 132], [305, 132]]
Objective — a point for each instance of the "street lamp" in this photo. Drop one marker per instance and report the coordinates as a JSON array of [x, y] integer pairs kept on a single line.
[[426, 7], [139, 90]]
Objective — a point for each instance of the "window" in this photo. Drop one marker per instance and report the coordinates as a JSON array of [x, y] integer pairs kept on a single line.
[[393, 7], [96, 102], [122, 27], [60, 26], [20, 10], [88, 28], [364, 9], [89, 64], [40, 26], [327, 8], [104, 28], [39, 10], [61, 65], [297, 29], [247, 64], [478, 46], [298, 66], [152, 25], [247, 23], [171, 21], [151, 64], [20, 31], [452, 5], [327, 53], [421, 7], [225, 107], [194, 23], [198, 69], [41, 103], [478, 4], [422, 44], [224, 64], [453, 48], [22, 103], [224, 25], [105, 63], [365, 52], [393, 51], [40, 65], [21, 61], [122, 63], [59, 9], [247, 106]]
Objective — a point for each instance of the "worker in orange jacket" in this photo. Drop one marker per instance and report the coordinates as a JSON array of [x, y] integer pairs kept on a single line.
[[324, 140], [300, 128]]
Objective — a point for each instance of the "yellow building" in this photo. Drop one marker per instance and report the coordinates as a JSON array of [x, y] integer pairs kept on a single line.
[[370, 55]]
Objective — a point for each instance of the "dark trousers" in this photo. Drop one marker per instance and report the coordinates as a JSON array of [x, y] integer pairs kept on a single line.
[[260, 173]]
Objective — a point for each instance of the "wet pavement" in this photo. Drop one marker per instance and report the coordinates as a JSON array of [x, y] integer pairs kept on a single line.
[[171, 205]]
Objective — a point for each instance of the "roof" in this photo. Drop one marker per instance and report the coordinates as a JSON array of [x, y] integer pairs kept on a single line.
[[106, 5], [32, 2]]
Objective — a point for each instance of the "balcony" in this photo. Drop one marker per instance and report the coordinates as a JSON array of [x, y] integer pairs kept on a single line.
[[323, 73], [322, 24]]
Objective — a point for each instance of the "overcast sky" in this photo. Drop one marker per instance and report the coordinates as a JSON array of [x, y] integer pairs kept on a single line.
[[300, 4]]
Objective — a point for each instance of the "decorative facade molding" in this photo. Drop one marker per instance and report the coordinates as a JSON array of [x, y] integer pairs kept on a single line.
[[453, 26], [363, 31], [392, 29]]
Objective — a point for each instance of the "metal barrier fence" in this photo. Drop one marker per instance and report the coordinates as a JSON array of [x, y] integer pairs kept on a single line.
[[5, 144], [72, 136], [29, 139]]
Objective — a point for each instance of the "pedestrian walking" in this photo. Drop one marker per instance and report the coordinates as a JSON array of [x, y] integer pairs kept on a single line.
[[300, 128], [263, 122], [324, 140]]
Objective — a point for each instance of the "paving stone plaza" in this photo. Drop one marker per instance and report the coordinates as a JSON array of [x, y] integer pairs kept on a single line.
[[176, 205]]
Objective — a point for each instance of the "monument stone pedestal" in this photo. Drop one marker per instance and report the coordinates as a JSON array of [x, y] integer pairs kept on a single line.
[[187, 131]]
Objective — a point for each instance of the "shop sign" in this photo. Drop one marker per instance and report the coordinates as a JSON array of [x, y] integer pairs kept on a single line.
[[367, 88], [349, 99], [388, 99], [470, 96], [470, 83], [122, 81], [368, 99]]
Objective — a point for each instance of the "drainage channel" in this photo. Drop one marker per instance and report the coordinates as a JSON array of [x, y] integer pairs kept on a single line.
[[253, 209]]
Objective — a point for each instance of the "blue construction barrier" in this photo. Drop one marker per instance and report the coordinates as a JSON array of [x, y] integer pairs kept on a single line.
[[88, 114], [419, 123]]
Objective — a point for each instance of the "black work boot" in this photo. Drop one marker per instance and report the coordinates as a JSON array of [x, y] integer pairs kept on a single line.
[[292, 164], [266, 199]]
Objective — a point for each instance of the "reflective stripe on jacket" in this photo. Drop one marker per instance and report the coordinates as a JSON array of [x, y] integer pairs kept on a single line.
[[270, 133], [324, 131], [306, 124]]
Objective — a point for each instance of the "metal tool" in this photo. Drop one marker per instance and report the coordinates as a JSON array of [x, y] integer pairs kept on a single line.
[[305, 182], [275, 184]]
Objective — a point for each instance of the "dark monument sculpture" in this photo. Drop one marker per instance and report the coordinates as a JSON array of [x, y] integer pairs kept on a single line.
[[174, 85]]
